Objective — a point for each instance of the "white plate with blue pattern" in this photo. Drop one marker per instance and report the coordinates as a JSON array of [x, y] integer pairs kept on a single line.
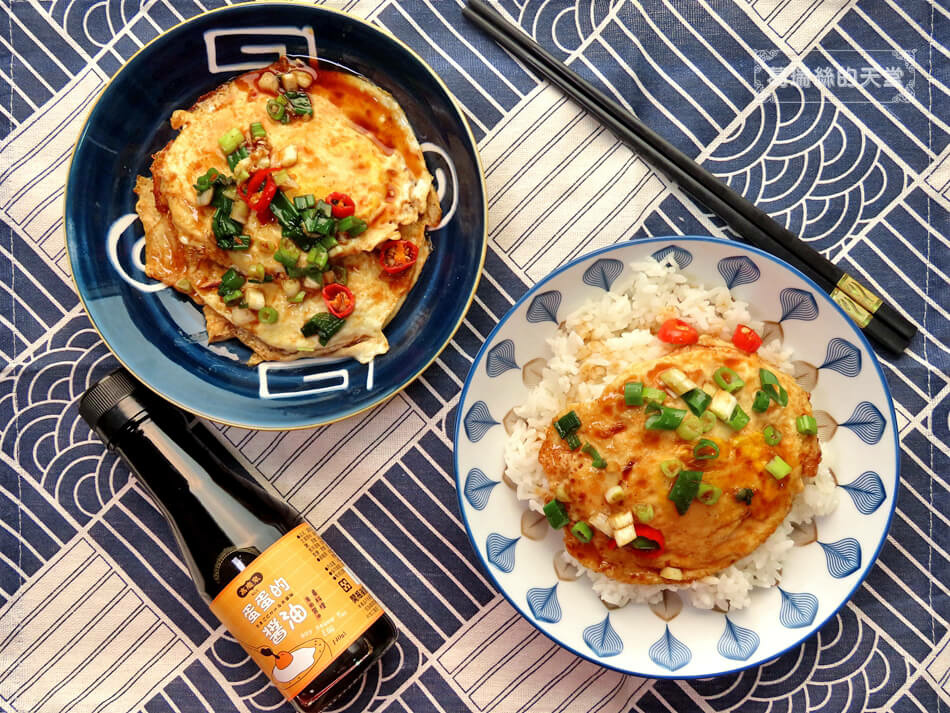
[[851, 401]]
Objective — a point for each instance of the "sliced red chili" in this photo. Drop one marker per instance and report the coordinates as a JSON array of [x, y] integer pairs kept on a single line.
[[341, 204], [255, 182], [263, 203], [746, 339], [676, 331], [397, 255], [651, 533], [339, 300]]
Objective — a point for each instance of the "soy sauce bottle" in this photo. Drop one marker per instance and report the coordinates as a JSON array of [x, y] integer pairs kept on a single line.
[[277, 587]]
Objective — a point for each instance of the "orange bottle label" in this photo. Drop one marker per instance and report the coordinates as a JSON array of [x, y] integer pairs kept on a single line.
[[295, 609]]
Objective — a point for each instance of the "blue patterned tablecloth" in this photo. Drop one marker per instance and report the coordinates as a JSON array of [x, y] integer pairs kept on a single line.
[[832, 115]]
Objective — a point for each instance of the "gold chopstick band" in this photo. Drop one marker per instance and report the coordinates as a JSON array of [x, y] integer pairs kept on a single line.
[[859, 293], [855, 311]]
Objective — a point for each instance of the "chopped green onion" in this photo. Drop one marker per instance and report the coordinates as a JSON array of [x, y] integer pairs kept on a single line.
[[723, 405], [685, 489], [560, 492], [300, 102], [644, 543], [705, 450], [231, 280], [324, 226], [573, 441], [329, 242], [697, 400], [678, 381], [690, 428], [322, 324], [268, 315], [614, 494], [581, 530], [772, 435], [556, 514], [760, 404], [297, 298], [239, 154], [305, 201], [728, 379], [598, 462], [323, 208], [230, 140], [352, 226], [806, 425], [772, 387], [232, 296], [257, 130], [281, 177], [738, 420], [207, 181], [653, 395], [707, 422], [256, 271], [744, 495], [568, 423], [672, 467], [275, 110], [241, 242], [643, 512], [708, 494], [340, 273], [778, 468], [184, 285], [666, 420], [317, 257], [633, 393], [287, 259], [329, 277]]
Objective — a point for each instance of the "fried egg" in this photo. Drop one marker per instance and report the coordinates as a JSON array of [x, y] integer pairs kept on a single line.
[[706, 538], [357, 142]]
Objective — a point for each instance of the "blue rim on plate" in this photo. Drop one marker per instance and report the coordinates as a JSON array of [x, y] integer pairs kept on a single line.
[[661, 654], [158, 334]]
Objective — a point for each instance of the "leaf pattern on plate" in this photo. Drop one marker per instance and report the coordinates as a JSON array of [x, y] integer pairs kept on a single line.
[[478, 488], [842, 356], [509, 421], [533, 372], [501, 551], [669, 652], [866, 422], [602, 639], [544, 306], [798, 609], [603, 273], [565, 571], [737, 642], [738, 270], [842, 557], [674, 255], [867, 492], [500, 358], [544, 604], [797, 304], [534, 525], [478, 421], [804, 533], [669, 607]]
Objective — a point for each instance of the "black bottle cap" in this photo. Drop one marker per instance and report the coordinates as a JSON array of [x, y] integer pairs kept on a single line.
[[109, 404]]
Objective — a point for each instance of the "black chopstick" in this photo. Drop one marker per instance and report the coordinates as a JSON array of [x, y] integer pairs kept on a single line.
[[879, 320]]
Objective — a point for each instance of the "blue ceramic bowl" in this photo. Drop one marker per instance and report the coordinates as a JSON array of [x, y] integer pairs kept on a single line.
[[160, 335]]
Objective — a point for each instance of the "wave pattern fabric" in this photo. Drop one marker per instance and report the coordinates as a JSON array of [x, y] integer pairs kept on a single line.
[[97, 611]]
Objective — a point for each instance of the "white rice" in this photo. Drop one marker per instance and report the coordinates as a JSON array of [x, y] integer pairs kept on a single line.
[[597, 343]]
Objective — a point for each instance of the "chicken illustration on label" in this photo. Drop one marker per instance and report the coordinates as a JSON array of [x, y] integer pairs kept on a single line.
[[291, 665]]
